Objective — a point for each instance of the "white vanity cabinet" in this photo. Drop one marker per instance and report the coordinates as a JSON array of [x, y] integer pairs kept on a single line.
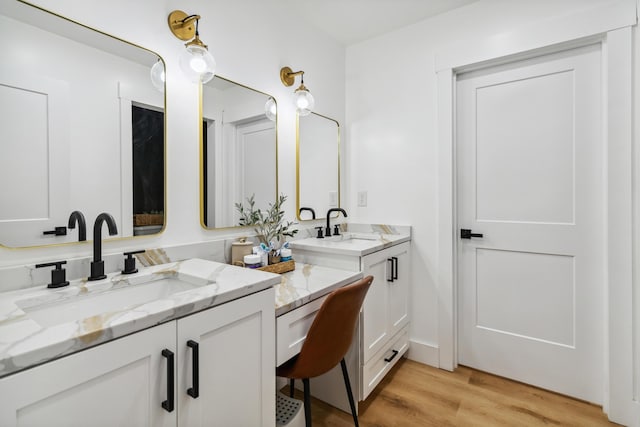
[[115, 384], [236, 344], [384, 320], [125, 382], [385, 313]]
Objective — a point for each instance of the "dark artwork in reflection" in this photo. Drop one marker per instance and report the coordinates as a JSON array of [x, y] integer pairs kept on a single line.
[[148, 166]]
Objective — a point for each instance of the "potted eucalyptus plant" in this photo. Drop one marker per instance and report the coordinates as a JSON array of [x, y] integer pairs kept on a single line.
[[269, 225]]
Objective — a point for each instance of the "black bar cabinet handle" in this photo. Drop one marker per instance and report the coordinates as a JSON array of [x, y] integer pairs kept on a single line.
[[395, 268], [389, 359], [390, 278], [194, 391], [58, 231], [168, 404]]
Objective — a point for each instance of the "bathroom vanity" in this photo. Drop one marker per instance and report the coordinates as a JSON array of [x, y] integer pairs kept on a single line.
[[383, 252], [189, 342], [197, 350]]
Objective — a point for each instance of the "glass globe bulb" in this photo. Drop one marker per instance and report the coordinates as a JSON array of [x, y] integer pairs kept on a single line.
[[271, 109], [304, 102], [197, 63], [158, 76]]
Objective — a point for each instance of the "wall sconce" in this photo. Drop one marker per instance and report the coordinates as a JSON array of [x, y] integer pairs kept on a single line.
[[302, 98], [271, 109], [196, 61], [158, 76]]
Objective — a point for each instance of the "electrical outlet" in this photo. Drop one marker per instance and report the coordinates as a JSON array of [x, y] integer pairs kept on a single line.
[[362, 198], [333, 199]]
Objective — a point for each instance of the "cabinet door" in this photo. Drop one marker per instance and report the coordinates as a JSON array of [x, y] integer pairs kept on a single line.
[[120, 383], [236, 346], [386, 307], [398, 289], [375, 314]]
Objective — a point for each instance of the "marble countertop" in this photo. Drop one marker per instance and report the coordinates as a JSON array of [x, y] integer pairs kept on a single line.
[[25, 342], [308, 282], [356, 241]]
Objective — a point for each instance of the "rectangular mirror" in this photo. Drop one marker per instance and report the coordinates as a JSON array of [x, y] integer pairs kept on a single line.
[[82, 130], [239, 151], [318, 166]]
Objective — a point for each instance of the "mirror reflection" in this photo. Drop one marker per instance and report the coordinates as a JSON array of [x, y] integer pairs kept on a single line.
[[318, 164], [82, 130], [239, 151]]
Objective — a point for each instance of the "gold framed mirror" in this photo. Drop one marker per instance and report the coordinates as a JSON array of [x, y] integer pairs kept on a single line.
[[84, 130], [239, 151], [317, 166]]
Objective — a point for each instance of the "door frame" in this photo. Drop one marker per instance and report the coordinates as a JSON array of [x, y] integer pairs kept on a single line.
[[610, 25]]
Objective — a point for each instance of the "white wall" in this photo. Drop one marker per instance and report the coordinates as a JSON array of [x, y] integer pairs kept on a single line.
[[391, 130], [250, 42]]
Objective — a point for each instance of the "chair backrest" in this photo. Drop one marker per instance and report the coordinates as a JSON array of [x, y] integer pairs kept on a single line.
[[331, 332]]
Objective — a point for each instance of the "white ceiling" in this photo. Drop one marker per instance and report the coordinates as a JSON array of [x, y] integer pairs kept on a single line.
[[352, 21]]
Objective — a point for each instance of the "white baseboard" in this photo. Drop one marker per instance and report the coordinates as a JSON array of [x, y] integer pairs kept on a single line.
[[423, 353], [636, 414]]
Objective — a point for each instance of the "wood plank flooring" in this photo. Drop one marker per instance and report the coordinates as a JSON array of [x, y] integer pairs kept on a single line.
[[413, 394]]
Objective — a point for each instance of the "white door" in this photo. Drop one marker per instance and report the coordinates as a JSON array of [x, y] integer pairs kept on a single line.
[[530, 179], [246, 166], [34, 176], [256, 165]]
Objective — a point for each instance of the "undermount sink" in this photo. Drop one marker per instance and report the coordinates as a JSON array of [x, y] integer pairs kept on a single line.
[[350, 243], [121, 297], [352, 236]]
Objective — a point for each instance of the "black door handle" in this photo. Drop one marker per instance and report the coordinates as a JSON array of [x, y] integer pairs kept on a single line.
[[390, 275], [194, 391], [394, 271], [168, 404], [58, 231], [465, 233]]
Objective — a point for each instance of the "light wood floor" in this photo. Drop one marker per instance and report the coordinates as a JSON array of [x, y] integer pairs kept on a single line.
[[413, 394]]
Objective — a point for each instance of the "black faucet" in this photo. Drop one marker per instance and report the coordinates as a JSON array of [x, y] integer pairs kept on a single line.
[[77, 217], [97, 266], [327, 231], [313, 213]]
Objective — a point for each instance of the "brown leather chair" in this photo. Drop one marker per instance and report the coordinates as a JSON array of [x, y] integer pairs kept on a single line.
[[327, 342]]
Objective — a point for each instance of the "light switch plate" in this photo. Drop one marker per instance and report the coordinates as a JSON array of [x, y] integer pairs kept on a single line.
[[362, 198], [333, 199]]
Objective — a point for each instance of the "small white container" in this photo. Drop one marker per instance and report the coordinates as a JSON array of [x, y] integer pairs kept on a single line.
[[285, 254], [252, 261]]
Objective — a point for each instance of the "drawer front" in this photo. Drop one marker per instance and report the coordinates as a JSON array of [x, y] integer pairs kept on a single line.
[[378, 366], [292, 328]]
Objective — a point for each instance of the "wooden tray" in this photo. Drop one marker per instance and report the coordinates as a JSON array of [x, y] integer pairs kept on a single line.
[[279, 268]]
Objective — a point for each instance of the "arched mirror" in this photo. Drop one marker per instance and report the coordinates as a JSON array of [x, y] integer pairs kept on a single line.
[[239, 151], [83, 130], [318, 166]]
